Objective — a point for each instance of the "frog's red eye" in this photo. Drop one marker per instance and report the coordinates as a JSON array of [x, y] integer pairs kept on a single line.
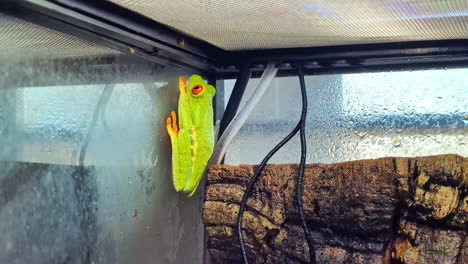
[[197, 89]]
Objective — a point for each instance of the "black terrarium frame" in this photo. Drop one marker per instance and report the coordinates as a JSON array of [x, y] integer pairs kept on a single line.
[[111, 25]]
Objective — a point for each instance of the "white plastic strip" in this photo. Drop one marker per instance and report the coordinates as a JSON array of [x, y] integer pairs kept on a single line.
[[240, 118]]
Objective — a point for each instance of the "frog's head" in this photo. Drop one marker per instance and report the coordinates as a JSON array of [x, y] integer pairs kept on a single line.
[[199, 90]]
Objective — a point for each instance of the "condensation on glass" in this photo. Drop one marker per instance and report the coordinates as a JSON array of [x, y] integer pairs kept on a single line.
[[85, 170], [359, 116]]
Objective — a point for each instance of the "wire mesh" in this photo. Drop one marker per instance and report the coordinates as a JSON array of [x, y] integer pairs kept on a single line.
[[247, 24], [21, 40]]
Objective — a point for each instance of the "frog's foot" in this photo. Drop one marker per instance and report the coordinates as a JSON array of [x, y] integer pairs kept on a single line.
[[171, 125]]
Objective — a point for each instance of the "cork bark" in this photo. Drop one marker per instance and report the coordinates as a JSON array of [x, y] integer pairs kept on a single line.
[[387, 210]]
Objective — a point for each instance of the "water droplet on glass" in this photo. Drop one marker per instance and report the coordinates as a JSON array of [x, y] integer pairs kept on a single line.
[[362, 134], [396, 141]]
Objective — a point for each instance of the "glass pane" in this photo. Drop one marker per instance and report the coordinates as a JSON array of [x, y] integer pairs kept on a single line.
[[85, 166], [359, 116]]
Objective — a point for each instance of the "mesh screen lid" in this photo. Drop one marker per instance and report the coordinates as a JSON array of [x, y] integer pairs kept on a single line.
[[21, 40], [246, 24]]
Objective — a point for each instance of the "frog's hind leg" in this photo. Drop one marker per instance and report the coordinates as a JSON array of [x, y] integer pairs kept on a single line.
[[173, 131], [185, 159], [181, 153]]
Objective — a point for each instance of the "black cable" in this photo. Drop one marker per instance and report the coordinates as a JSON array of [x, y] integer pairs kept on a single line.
[[300, 176], [258, 171], [251, 185]]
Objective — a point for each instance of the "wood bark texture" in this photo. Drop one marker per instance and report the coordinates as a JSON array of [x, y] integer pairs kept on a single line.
[[387, 210]]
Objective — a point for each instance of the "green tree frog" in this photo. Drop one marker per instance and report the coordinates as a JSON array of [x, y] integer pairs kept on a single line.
[[193, 140]]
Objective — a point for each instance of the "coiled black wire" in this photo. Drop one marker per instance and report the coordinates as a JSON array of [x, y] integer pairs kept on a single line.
[[299, 127]]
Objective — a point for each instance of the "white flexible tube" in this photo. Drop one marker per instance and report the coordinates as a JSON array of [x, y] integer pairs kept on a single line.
[[240, 118]]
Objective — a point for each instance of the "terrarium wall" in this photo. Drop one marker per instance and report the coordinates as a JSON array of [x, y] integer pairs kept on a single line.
[[85, 170], [359, 116]]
